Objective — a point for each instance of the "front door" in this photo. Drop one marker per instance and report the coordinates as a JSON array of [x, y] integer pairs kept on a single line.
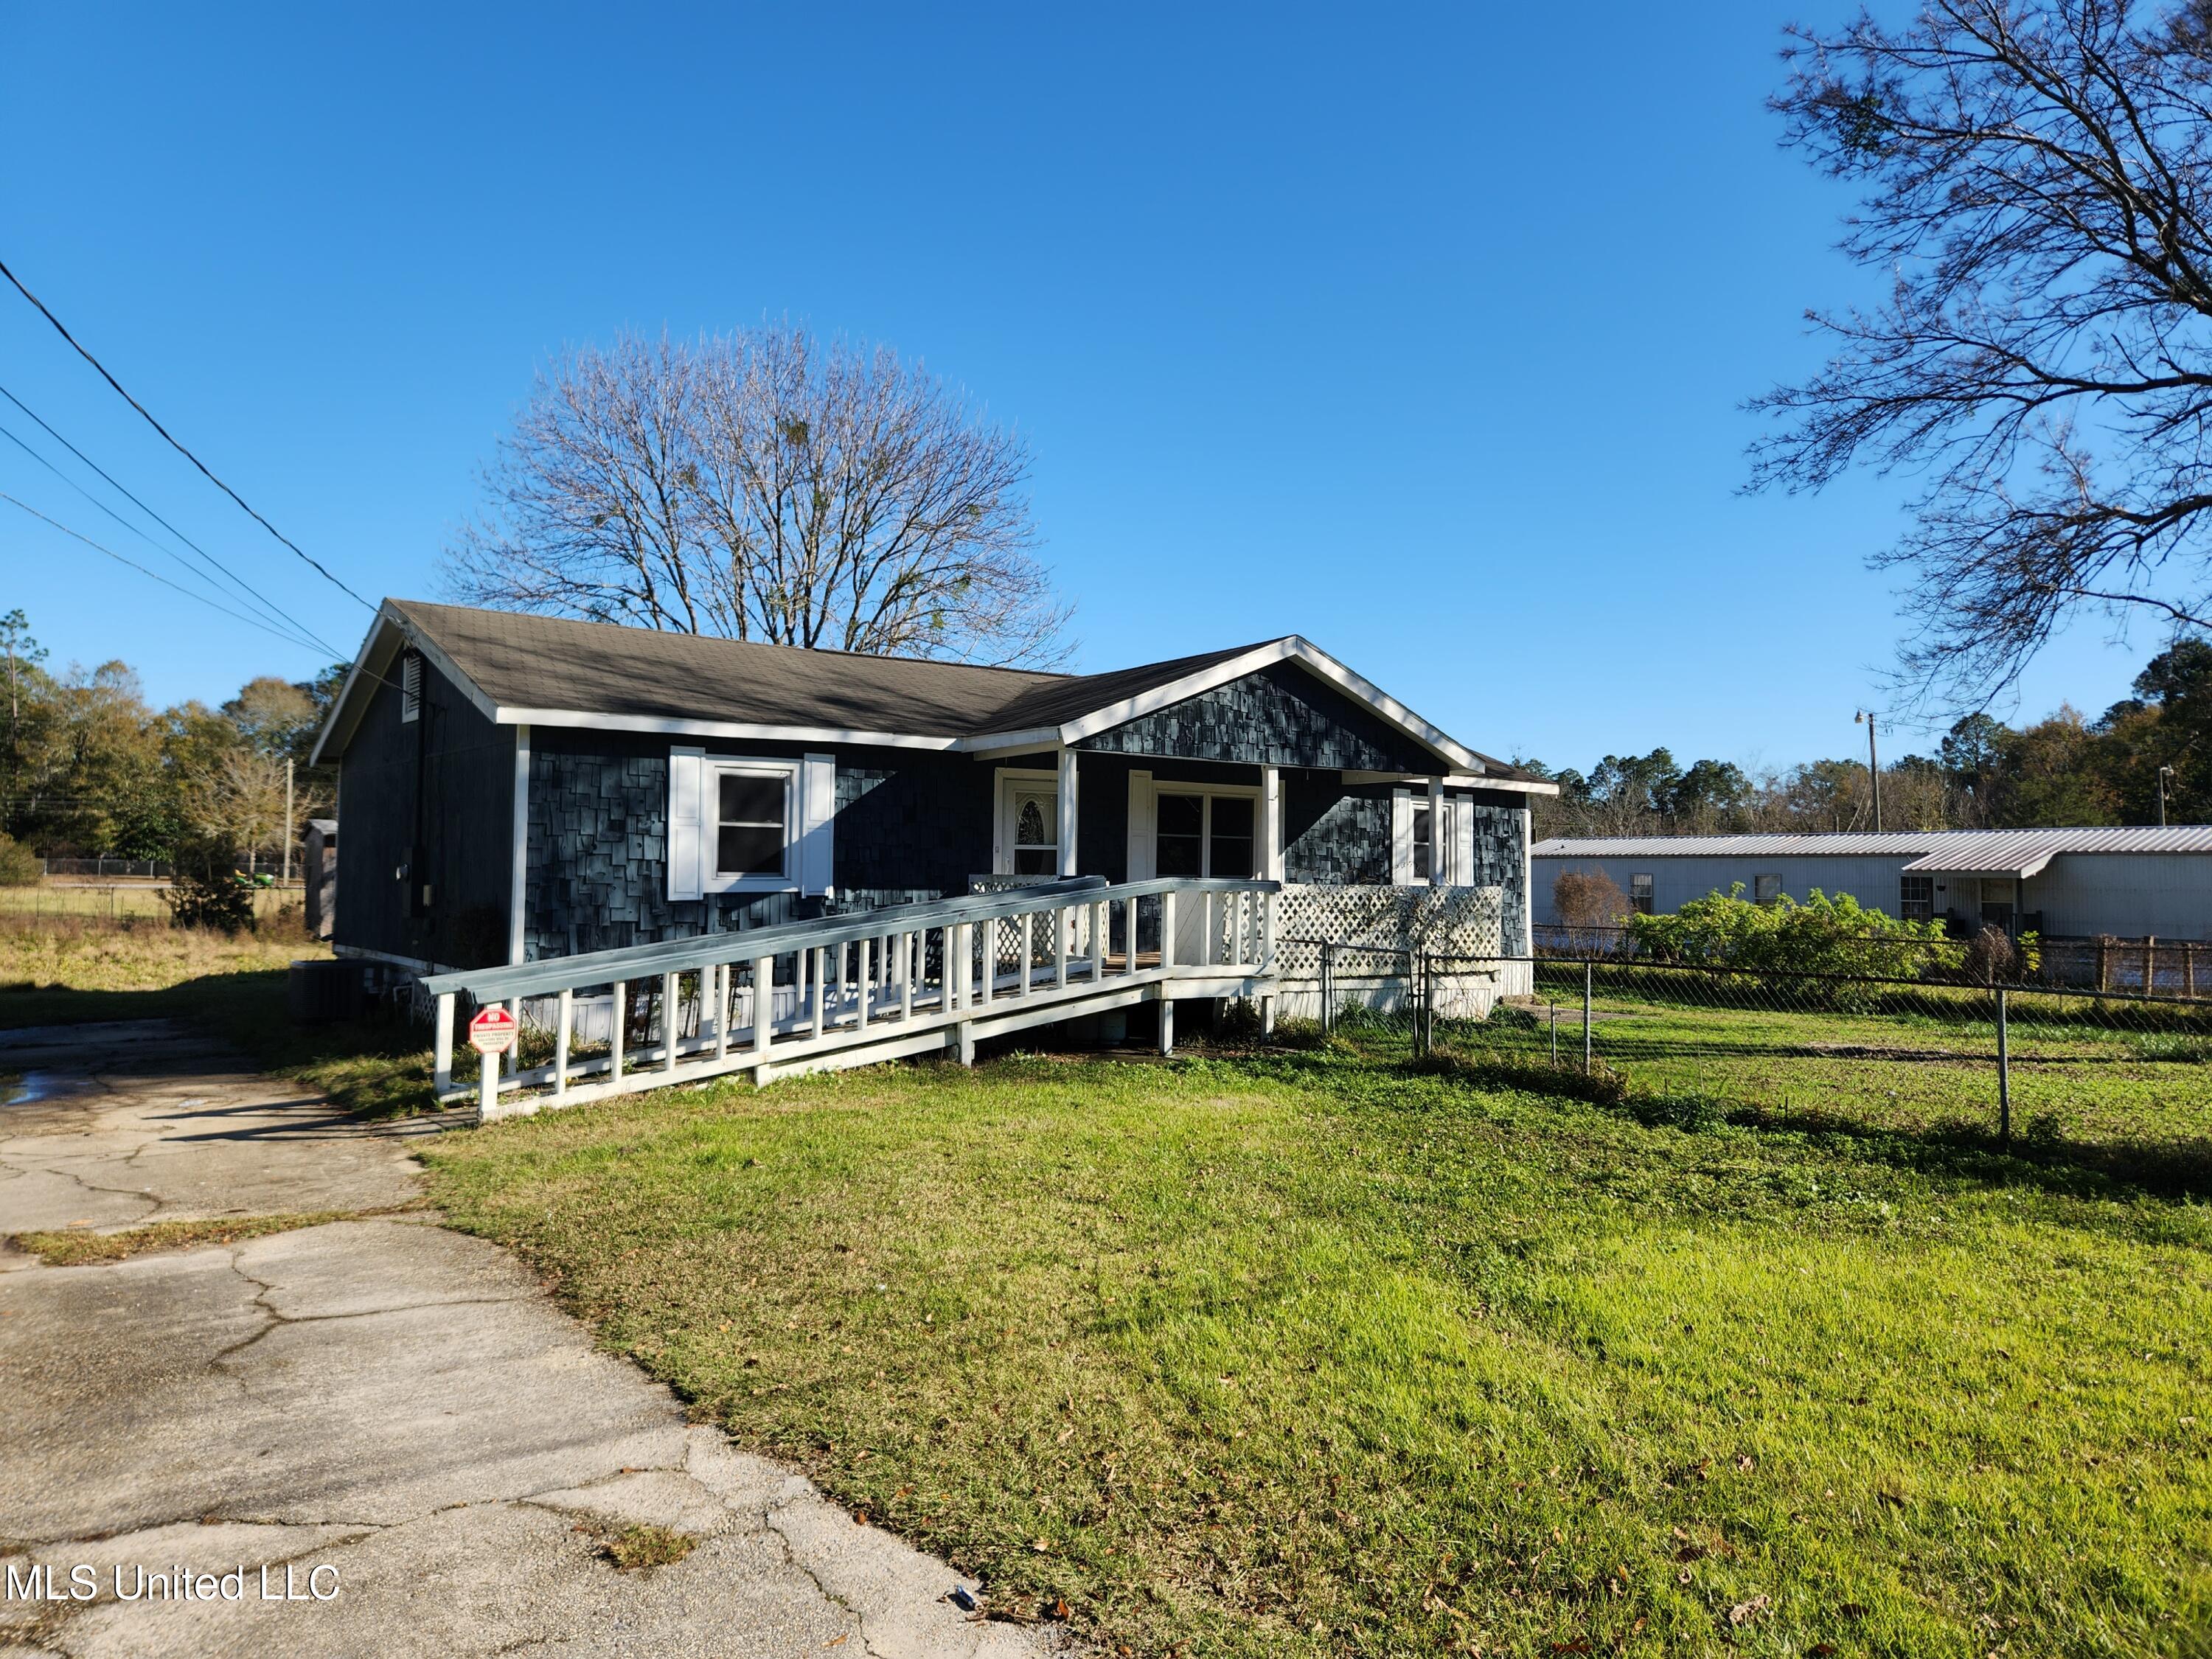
[[1028, 831], [1200, 833]]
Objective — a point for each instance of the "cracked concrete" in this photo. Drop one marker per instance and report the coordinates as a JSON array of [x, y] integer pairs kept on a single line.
[[394, 1404]]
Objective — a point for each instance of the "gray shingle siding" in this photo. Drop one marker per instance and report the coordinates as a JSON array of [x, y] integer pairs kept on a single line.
[[907, 828], [1280, 716]]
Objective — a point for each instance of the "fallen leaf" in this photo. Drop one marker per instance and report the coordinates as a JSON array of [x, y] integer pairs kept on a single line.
[[1744, 1612]]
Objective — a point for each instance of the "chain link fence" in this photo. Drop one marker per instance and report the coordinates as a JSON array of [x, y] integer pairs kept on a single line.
[[1929, 1051]]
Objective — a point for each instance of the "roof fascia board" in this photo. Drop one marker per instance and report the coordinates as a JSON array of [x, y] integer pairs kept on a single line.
[[1432, 737], [1035, 741], [434, 655], [344, 715], [742, 730], [1461, 780]]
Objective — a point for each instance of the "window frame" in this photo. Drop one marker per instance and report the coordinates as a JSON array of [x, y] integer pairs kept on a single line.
[[1920, 909], [1207, 793], [1759, 895], [1646, 902], [714, 767]]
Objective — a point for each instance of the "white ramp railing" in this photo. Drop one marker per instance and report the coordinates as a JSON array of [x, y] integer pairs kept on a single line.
[[854, 989]]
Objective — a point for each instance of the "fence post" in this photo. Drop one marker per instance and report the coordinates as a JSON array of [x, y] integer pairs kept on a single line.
[[441, 1077], [1327, 991], [1587, 973], [1555, 1033], [1428, 1004], [487, 1088], [2004, 1075]]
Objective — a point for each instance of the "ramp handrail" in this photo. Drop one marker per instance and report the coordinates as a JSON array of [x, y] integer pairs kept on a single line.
[[901, 979]]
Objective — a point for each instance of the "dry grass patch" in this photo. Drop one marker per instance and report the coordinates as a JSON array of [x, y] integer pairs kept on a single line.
[[78, 1249]]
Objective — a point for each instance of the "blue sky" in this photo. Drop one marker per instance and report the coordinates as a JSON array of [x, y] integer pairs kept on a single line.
[[1421, 332]]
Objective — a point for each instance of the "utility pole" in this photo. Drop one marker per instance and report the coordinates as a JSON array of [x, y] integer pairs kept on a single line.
[[1874, 762], [2164, 773], [287, 819]]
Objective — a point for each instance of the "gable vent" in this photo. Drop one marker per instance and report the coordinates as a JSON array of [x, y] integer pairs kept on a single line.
[[410, 686]]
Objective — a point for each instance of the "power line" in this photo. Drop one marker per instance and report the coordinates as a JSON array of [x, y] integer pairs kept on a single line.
[[189, 594], [142, 409], [300, 629]]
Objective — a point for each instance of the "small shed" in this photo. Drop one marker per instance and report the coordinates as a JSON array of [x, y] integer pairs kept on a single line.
[[321, 874]]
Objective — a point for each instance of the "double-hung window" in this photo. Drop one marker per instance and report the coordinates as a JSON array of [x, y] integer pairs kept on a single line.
[[1203, 834], [750, 824], [1418, 853], [1766, 890], [754, 823], [1425, 841], [1640, 886], [1916, 898]]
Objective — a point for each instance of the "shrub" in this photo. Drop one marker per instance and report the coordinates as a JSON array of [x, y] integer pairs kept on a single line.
[[19, 865], [1823, 935], [207, 890], [1991, 958], [1590, 902]]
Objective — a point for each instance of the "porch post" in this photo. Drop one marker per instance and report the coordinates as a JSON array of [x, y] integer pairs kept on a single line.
[[1271, 823], [1067, 811], [1439, 842]]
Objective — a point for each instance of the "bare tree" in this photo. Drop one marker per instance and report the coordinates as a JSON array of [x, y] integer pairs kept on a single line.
[[765, 485], [2036, 177]]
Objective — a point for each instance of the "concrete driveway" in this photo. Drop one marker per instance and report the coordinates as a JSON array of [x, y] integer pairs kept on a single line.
[[392, 1418]]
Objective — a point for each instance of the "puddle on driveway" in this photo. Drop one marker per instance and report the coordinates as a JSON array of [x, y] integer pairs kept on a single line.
[[33, 1086]]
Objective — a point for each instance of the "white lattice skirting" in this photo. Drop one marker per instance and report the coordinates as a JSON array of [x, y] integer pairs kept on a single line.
[[1390, 922]]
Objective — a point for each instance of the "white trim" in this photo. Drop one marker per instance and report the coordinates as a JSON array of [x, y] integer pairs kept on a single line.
[[1528, 946], [1440, 842], [1459, 780], [1401, 838], [745, 730], [1271, 823], [1064, 829], [518, 886], [1035, 741]]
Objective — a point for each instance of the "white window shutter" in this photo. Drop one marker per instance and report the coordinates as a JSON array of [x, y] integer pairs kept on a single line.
[[817, 811], [686, 839], [1401, 837], [1461, 813], [1140, 826]]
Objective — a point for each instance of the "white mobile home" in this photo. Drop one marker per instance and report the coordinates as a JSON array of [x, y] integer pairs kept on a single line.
[[2062, 883]]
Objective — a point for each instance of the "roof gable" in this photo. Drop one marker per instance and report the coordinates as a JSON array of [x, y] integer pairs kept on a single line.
[[530, 670]]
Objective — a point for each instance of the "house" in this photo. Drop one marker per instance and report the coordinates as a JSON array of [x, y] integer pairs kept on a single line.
[[2144, 883], [516, 789]]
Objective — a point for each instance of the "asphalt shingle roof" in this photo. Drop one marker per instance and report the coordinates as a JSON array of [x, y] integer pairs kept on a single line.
[[604, 668]]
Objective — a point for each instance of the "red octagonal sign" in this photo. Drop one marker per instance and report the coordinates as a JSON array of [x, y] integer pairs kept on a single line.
[[492, 1031]]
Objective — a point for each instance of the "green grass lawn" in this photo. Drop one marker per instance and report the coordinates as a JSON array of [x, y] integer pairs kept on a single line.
[[1318, 1354]]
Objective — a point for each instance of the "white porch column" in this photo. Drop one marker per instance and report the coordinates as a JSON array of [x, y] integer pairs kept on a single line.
[[1067, 811], [1439, 842], [1271, 823]]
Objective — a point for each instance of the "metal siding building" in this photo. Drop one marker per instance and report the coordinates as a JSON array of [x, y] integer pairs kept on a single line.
[[2065, 883]]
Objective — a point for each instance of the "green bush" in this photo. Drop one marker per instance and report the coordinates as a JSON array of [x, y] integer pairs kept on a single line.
[[19, 865], [1823, 935]]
